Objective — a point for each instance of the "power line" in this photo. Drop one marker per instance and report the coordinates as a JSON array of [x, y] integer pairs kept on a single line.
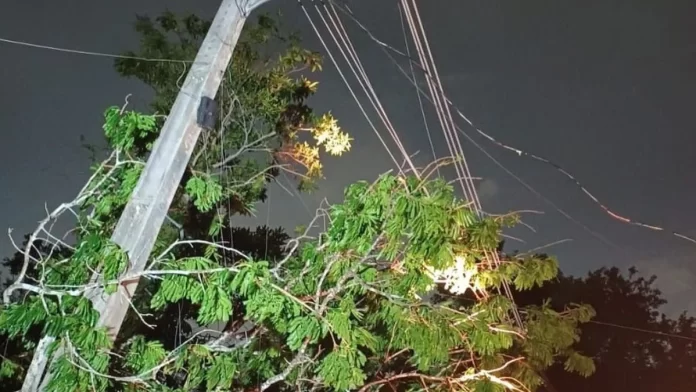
[[420, 101], [90, 53], [388, 50], [295, 192], [444, 117], [345, 45], [413, 62], [531, 189], [574, 180], [345, 81], [557, 167], [444, 114], [665, 334], [447, 121]]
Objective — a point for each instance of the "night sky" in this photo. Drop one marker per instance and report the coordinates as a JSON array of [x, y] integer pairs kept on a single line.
[[604, 88]]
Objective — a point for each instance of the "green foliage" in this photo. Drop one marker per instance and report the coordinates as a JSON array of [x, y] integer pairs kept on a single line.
[[342, 368], [345, 310], [123, 129], [143, 356], [72, 318], [580, 364], [205, 192], [8, 368], [376, 253]]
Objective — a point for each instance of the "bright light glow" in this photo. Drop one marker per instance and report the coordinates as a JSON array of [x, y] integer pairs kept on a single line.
[[458, 278]]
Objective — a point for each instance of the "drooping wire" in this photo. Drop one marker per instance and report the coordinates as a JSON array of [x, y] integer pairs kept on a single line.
[[388, 48], [345, 46], [531, 189], [576, 182], [506, 287], [441, 116], [296, 193], [538, 194]]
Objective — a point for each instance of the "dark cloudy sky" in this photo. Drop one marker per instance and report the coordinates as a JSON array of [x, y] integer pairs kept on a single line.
[[605, 88]]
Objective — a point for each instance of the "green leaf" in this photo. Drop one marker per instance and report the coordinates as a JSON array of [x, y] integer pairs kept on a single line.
[[579, 364], [9, 368], [204, 191], [144, 356], [221, 373]]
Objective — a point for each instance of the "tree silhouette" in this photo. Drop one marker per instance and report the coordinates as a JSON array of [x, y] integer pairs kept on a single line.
[[627, 359]]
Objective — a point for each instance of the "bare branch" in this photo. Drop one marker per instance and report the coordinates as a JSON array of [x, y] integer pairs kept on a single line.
[[299, 359], [90, 189], [247, 145]]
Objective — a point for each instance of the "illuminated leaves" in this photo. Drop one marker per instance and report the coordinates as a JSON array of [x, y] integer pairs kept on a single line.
[[307, 156], [328, 134]]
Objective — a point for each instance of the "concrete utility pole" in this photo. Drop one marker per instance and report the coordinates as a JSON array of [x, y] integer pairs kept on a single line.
[[142, 219]]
